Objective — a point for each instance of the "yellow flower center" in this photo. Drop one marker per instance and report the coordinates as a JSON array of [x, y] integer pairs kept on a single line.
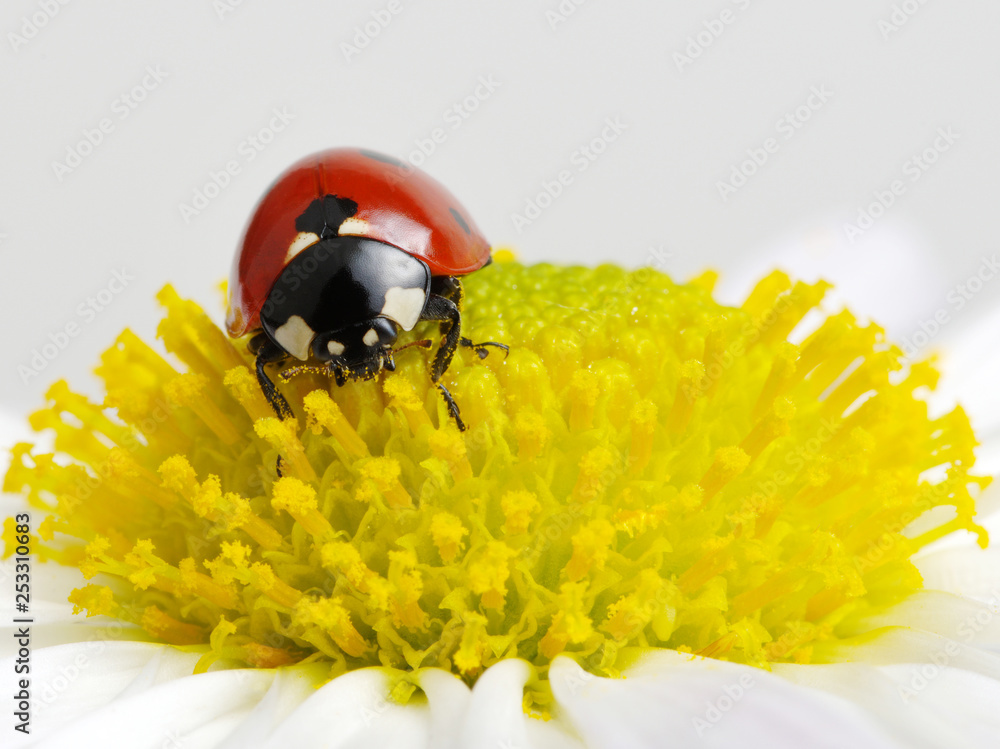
[[646, 469]]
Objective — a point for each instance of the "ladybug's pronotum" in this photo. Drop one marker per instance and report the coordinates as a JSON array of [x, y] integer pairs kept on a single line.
[[343, 251]]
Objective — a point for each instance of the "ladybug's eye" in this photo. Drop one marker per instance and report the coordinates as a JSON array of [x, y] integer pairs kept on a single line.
[[382, 332]]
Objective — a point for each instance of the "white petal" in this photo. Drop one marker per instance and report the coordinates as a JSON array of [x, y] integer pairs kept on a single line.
[[966, 571], [964, 619], [137, 694], [494, 716], [448, 699], [496, 720], [69, 681], [191, 711], [920, 717], [353, 710], [290, 688], [674, 700], [909, 645]]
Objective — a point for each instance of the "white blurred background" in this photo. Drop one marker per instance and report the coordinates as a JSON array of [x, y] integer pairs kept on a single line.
[[855, 140]]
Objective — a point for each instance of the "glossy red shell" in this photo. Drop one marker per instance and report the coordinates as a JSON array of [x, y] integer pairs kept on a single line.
[[399, 205]]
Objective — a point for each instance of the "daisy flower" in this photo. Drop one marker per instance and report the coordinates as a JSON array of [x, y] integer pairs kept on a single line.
[[670, 523]]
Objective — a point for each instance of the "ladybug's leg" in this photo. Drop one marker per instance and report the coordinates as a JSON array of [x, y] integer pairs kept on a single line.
[[443, 309], [268, 352], [451, 288], [443, 305], [452, 407], [480, 348]]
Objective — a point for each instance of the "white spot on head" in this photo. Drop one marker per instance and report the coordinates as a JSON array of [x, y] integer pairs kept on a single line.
[[353, 227], [302, 240], [403, 306], [295, 336], [370, 338], [335, 347]]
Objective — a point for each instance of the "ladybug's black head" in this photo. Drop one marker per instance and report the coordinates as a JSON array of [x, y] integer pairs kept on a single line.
[[343, 300], [358, 351]]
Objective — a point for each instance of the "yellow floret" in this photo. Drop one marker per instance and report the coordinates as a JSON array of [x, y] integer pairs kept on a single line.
[[447, 531], [293, 495], [518, 509]]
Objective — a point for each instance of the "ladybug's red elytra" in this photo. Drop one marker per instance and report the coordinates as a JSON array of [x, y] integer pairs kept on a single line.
[[344, 250]]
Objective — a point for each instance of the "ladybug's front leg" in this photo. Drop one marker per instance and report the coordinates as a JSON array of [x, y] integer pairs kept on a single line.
[[443, 305], [268, 352], [443, 309], [450, 287]]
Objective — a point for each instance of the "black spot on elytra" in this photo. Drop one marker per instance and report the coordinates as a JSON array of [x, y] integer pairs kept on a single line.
[[325, 215], [382, 157], [460, 220]]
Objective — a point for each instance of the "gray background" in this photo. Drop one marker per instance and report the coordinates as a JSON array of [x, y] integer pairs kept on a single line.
[[651, 197]]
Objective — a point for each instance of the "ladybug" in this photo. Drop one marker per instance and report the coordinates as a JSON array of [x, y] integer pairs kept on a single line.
[[346, 249]]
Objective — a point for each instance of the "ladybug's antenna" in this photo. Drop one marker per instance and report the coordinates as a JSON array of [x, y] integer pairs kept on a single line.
[[425, 343]]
